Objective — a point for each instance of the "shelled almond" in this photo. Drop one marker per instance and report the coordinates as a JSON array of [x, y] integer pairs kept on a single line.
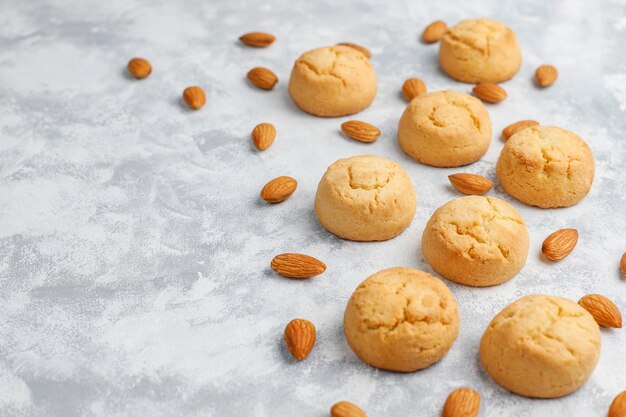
[[263, 135], [258, 39], [194, 97], [413, 87], [300, 338], [546, 75], [279, 189], [297, 265], [262, 78], [359, 48], [346, 409], [513, 128], [470, 184], [462, 402], [361, 131], [560, 244], [603, 310], [489, 92], [139, 68], [434, 31]]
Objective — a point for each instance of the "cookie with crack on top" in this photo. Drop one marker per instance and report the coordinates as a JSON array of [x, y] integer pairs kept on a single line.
[[365, 198], [546, 166], [401, 319], [480, 50], [476, 240], [541, 346], [445, 129], [332, 81]]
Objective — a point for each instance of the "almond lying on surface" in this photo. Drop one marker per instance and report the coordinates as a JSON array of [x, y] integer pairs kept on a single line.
[[546, 75], [346, 409], [470, 184], [462, 402], [300, 338], [434, 31], [618, 406], [194, 97], [560, 244], [297, 265], [262, 77], [513, 128], [258, 39], [489, 92], [263, 135], [603, 310], [278, 189], [359, 48], [413, 87], [139, 68], [361, 131], [622, 264]]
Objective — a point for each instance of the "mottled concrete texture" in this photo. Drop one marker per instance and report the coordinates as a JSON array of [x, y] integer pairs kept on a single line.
[[134, 250]]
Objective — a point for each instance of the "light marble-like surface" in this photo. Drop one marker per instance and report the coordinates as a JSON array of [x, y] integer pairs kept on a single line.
[[134, 250]]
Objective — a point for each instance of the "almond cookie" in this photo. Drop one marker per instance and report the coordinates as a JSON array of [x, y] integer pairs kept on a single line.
[[365, 198], [401, 319], [480, 50], [546, 166], [333, 81], [475, 240], [445, 129], [541, 346]]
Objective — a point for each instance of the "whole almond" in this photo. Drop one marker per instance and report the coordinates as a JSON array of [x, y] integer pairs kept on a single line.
[[263, 135], [346, 409], [361, 131], [434, 31], [194, 97], [622, 264], [618, 406], [279, 189], [513, 128], [300, 338], [413, 87], [359, 48], [603, 310], [470, 184], [560, 244], [297, 265], [139, 68], [262, 78], [489, 92], [462, 402], [258, 39], [546, 75]]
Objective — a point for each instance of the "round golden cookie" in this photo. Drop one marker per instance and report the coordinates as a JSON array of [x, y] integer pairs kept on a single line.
[[480, 50], [445, 129], [332, 81], [475, 240], [546, 166], [365, 198], [401, 319], [541, 346]]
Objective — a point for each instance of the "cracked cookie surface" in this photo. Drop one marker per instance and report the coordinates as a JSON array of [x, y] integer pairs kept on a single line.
[[401, 319], [476, 240], [332, 81], [541, 346], [365, 198], [445, 129], [546, 166], [480, 50]]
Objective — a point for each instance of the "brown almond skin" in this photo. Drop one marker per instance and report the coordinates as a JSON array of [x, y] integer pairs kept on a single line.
[[279, 189], [139, 68], [546, 75], [300, 338], [433, 32], [413, 87], [470, 184], [297, 265], [346, 409], [489, 92], [359, 48], [194, 97], [361, 131], [262, 78], [560, 244], [263, 135], [513, 128], [618, 406], [604, 311], [622, 264], [462, 402], [258, 39]]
